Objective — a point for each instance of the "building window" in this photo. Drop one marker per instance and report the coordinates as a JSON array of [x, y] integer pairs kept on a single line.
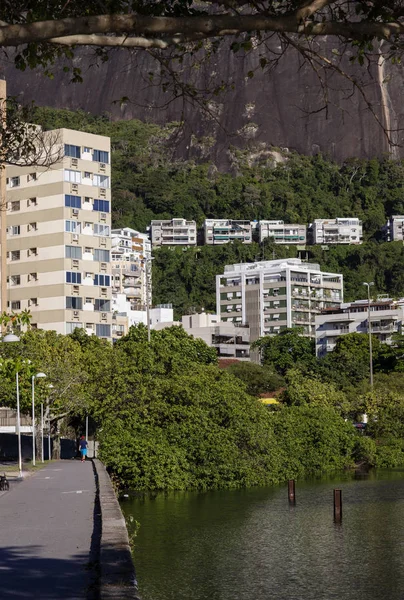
[[33, 302], [101, 229], [101, 181], [74, 302], [32, 276], [72, 226], [32, 227], [89, 301], [101, 255], [103, 330], [16, 305], [87, 175], [14, 181], [72, 201], [103, 280], [31, 177], [73, 251], [102, 305], [32, 252], [101, 156], [70, 327], [73, 151], [15, 230], [32, 201], [15, 255], [15, 206], [73, 277], [87, 150], [15, 279], [101, 205], [72, 176]]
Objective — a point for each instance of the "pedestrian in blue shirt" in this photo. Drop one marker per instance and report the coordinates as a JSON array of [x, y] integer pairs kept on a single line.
[[83, 448]]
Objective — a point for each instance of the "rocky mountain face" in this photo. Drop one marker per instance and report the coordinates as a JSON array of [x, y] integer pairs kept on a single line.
[[283, 107]]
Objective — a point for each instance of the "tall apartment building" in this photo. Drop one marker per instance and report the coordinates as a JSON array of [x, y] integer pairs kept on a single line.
[[173, 232], [58, 237], [393, 231], [336, 231], [281, 233], [131, 271], [272, 295], [386, 319], [222, 231]]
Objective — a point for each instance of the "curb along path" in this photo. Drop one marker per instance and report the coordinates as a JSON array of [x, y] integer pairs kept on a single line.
[[118, 580]]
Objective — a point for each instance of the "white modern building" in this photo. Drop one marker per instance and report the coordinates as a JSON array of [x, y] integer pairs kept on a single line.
[[273, 295], [394, 229], [336, 231], [231, 340], [386, 319], [124, 316], [222, 231], [131, 268], [173, 232], [281, 233], [58, 237]]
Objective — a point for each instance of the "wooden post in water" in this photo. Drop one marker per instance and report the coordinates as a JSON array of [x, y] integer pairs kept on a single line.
[[337, 505], [291, 491]]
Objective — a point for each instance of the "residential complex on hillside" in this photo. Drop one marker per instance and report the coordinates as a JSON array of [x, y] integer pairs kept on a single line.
[[179, 232], [386, 319], [272, 295], [222, 231], [58, 237], [281, 233], [173, 232], [335, 231], [393, 231]]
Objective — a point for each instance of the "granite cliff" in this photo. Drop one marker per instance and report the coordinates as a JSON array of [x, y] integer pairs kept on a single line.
[[280, 108]]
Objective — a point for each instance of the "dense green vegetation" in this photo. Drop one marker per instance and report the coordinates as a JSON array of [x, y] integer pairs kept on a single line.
[[148, 183], [168, 418]]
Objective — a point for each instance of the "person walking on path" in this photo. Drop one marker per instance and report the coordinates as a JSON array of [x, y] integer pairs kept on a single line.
[[83, 448]]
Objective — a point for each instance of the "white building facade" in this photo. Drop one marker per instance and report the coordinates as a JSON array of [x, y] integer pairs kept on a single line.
[[222, 231], [270, 296], [231, 340], [58, 237], [281, 233], [173, 232], [386, 319], [394, 229], [336, 231]]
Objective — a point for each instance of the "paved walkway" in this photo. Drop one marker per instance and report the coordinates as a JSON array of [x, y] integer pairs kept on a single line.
[[46, 529]]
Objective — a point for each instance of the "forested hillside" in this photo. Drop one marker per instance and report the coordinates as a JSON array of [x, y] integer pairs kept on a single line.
[[148, 183]]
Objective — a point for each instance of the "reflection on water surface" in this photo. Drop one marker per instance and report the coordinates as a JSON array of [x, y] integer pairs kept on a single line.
[[251, 545]]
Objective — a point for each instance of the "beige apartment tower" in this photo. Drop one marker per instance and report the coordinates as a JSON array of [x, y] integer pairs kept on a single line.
[[58, 237]]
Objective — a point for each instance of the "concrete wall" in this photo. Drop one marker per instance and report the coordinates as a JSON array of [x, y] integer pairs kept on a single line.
[[117, 572]]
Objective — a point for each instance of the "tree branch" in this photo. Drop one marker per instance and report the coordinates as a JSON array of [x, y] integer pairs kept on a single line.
[[202, 26]]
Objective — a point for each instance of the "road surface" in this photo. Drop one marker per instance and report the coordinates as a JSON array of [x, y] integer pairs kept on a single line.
[[47, 537]]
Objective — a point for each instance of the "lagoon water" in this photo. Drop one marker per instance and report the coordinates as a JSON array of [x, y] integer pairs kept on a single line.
[[252, 545]]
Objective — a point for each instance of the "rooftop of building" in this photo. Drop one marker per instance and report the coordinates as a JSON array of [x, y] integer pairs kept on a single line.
[[273, 265]]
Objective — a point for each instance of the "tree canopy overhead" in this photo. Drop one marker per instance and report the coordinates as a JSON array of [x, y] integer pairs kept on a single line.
[[142, 24]]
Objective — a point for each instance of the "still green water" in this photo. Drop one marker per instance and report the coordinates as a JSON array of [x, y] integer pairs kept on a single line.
[[252, 545]]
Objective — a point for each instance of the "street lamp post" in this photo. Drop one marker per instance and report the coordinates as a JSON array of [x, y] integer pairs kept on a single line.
[[368, 284], [37, 376]]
